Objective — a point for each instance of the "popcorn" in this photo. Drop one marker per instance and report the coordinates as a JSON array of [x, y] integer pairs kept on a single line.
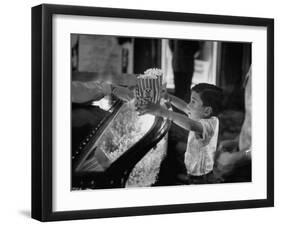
[[153, 72], [151, 76]]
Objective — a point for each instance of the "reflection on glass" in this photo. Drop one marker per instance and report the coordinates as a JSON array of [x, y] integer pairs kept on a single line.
[[126, 130], [145, 172], [120, 135]]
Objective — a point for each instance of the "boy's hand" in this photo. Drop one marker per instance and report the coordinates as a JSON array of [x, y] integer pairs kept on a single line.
[[149, 108], [164, 93]]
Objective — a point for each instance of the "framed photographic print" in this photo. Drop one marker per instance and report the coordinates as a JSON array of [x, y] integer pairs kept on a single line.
[[145, 112]]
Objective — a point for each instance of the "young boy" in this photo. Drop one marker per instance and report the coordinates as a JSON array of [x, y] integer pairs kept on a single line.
[[200, 119]]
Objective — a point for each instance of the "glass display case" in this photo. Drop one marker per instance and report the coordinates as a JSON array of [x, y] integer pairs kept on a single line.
[[112, 146]]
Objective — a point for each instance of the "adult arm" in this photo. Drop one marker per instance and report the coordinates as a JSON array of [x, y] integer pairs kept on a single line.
[[129, 80], [83, 92]]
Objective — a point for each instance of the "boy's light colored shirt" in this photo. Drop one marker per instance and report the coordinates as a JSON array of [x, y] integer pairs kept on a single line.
[[200, 151]]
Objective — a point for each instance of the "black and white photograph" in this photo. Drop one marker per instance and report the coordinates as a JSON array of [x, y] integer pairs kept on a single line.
[[149, 112], [141, 112]]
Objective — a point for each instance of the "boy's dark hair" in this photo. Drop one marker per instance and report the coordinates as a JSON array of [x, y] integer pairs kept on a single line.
[[211, 96]]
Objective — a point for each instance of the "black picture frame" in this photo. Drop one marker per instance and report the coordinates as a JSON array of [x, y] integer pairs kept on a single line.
[[42, 106]]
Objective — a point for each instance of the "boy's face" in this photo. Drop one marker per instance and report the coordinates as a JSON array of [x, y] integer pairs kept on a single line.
[[196, 108]]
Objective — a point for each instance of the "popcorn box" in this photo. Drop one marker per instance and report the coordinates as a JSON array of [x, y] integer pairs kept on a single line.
[[149, 87]]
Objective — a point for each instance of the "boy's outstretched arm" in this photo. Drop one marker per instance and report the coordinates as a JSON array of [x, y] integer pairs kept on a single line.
[[178, 103], [179, 119], [183, 121]]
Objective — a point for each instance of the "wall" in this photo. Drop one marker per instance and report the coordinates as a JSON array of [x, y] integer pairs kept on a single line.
[[16, 114]]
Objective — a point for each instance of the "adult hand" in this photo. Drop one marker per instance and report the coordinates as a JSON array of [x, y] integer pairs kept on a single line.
[[226, 162], [228, 145], [123, 93]]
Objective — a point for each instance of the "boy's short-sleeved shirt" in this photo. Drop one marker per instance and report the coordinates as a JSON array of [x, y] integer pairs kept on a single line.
[[200, 151]]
